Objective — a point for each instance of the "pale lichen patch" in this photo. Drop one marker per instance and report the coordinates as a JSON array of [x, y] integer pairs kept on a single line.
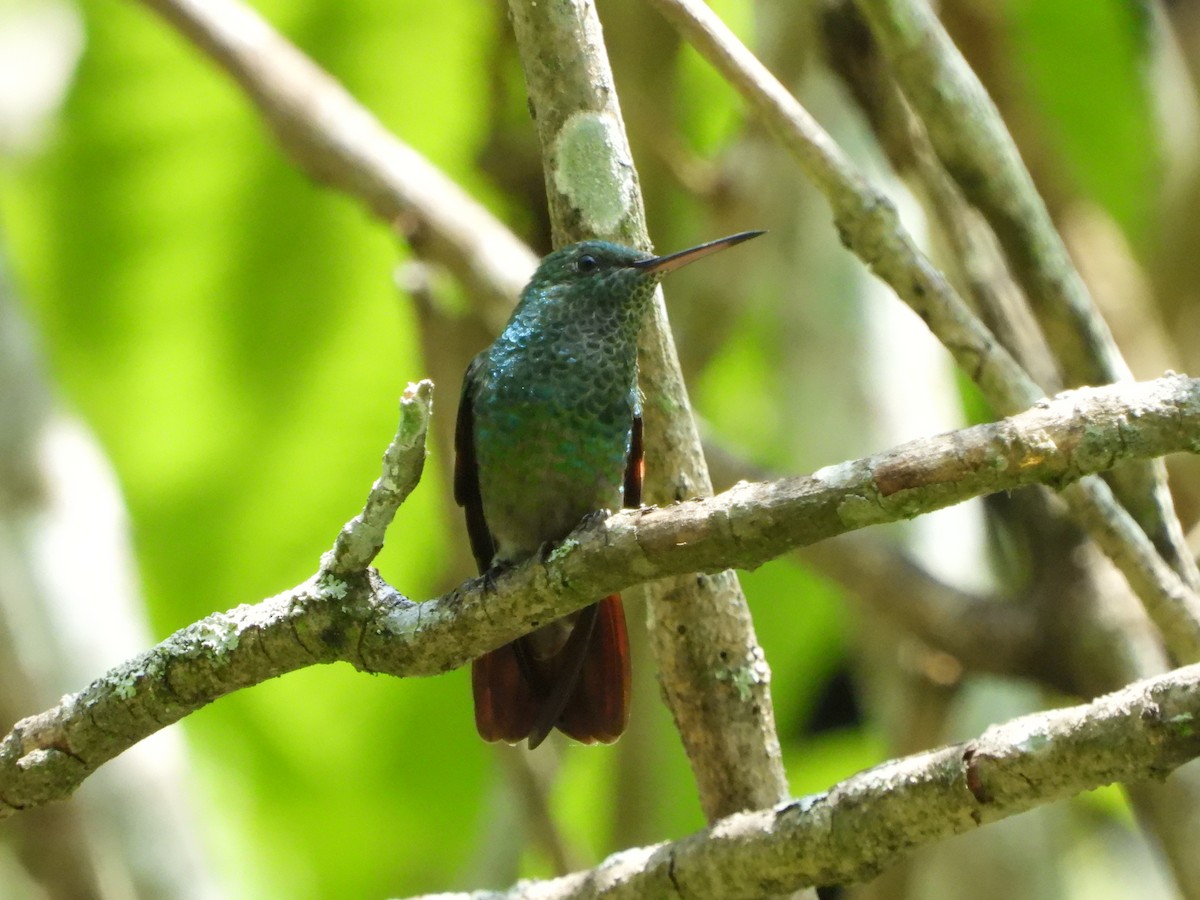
[[747, 677], [562, 550], [330, 587], [593, 170], [217, 633], [125, 684], [856, 510]]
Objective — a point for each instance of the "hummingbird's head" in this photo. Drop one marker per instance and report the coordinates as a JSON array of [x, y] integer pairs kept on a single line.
[[611, 272]]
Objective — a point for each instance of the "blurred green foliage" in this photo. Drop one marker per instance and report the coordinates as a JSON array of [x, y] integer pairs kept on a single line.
[[232, 334], [1085, 67]]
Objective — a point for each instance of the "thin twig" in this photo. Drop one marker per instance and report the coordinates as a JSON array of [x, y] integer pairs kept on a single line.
[[985, 633], [360, 541], [532, 776]]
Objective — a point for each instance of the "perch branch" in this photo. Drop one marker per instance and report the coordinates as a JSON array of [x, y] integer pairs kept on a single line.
[[361, 620]]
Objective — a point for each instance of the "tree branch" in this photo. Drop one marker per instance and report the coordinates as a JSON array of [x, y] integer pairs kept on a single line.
[[361, 620], [970, 139], [336, 141], [871, 820], [698, 626], [870, 227]]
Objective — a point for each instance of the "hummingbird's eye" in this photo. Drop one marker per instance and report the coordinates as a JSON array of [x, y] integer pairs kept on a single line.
[[586, 264]]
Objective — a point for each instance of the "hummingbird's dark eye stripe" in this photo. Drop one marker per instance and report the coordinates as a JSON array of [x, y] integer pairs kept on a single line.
[[586, 263]]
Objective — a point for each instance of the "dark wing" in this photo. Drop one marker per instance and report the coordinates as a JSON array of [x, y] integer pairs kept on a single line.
[[466, 470]]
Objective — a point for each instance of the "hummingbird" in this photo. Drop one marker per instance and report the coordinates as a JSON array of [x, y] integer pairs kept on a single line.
[[549, 431]]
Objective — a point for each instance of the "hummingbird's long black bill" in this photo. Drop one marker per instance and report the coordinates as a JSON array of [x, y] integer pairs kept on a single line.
[[660, 265]]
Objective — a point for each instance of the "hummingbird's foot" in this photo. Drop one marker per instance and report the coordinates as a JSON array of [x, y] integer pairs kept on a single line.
[[595, 518], [494, 573]]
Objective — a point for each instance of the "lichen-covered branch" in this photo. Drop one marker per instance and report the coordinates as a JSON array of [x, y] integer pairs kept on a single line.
[[361, 620], [871, 820], [331, 137], [727, 728], [870, 227]]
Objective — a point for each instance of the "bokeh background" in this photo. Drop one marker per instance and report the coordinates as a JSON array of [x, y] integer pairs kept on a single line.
[[203, 350]]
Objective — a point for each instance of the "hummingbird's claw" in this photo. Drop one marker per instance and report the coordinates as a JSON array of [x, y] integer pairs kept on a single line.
[[493, 574], [595, 518]]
